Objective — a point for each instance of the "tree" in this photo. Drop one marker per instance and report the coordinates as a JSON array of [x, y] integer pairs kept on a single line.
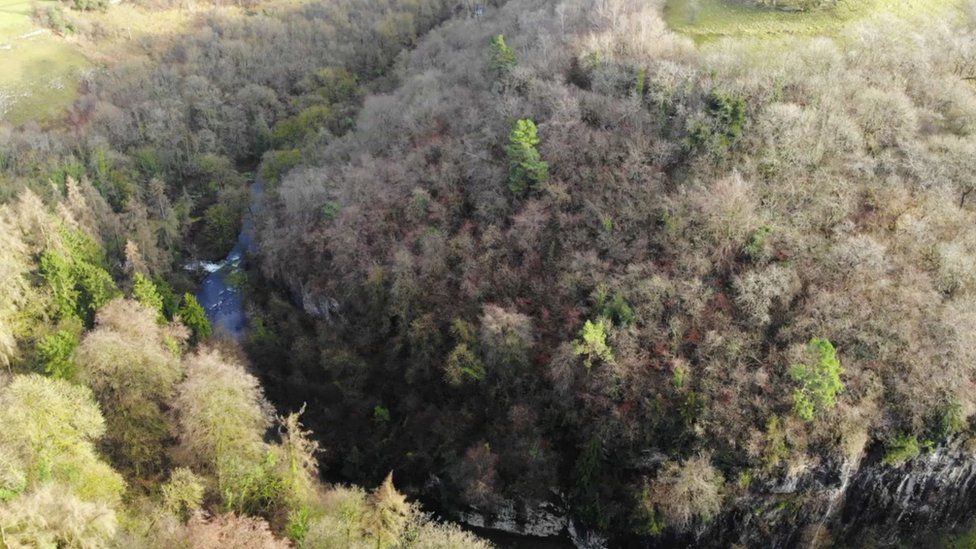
[[502, 57], [129, 344], [388, 513], [506, 338], [193, 316], [819, 383], [56, 351], [48, 430], [335, 85], [183, 494], [74, 269], [145, 292], [341, 524], [688, 493], [15, 290], [526, 168], [53, 516], [228, 530], [222, 418], [592, 343], [298, 470], [463, 365]]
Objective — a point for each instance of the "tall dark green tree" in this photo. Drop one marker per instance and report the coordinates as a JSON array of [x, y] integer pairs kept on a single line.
[[195, 318], [503, 58], [527, 170]]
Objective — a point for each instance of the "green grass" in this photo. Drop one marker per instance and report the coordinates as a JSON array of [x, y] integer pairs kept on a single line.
[[706, 20], [38, 72], [14, 18]]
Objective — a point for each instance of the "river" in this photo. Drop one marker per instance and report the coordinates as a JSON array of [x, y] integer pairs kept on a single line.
[[220, 298]]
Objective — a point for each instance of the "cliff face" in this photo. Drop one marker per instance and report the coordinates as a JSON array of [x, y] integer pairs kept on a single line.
[[833, 504], [848, 504], [934, 491]]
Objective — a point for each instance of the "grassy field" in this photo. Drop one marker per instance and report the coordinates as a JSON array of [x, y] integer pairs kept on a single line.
[[38, 71], [706, 20]]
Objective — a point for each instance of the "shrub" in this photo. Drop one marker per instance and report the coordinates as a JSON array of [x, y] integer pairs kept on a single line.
[[755, 248], [54, 18], [775, 449], [424, 533], [88, 5], [950, 420], [228, 530], [900, 449], [526, 169], [330, 211], [819, 383], [381, 414]]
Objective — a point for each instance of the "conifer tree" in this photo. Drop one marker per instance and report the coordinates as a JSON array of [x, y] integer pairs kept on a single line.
[[388, 513], [592, 343], [145, 292], [503, 58], [527, 170], [194, 317]]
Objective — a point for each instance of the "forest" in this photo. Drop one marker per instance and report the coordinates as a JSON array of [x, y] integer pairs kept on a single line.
[[596, 271]]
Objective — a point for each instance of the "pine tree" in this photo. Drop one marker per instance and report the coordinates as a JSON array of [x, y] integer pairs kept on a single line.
[[526, 167], [145, 292], [194, 317], [503, 58]]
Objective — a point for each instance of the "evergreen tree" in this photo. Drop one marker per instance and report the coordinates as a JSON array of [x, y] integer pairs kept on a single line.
[[145, 292], [194, 317], [502, 57], [592, 343], [75, 272], [56, 351], [526, 167]]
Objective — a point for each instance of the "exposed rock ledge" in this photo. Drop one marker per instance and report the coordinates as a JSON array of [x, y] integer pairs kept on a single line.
[[839, 501]]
